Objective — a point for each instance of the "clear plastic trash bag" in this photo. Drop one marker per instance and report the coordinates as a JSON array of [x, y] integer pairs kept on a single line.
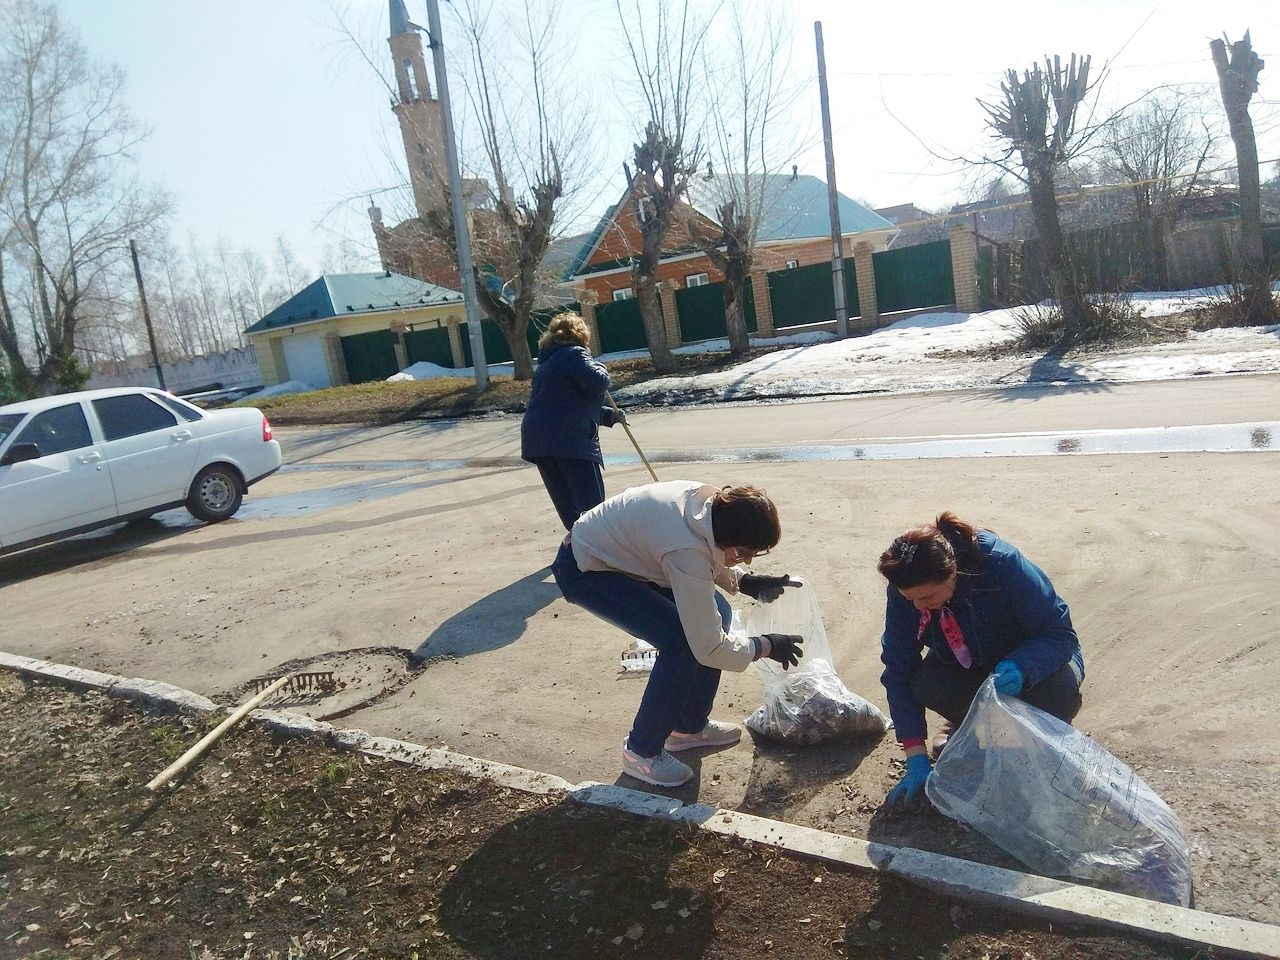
[[1047, 794], [807, 704]]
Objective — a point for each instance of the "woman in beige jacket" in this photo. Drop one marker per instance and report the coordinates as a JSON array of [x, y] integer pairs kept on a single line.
[[648, 561]]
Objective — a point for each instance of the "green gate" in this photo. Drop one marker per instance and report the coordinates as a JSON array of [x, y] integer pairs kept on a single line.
[[804, 295], [701, 311], [621, 326], [370, 356], [912, 277], [430, 345]]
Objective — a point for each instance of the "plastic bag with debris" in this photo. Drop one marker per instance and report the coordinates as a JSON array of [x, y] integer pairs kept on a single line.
[[807, 704], [1050, 796]]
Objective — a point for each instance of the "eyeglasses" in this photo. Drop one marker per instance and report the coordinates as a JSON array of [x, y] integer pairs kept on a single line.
[[742, 556]]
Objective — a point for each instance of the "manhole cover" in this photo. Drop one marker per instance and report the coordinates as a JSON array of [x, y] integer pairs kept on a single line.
[[363, 677]]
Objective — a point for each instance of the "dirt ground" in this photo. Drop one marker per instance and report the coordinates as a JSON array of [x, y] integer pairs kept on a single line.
[[429, 590], [284, 848]]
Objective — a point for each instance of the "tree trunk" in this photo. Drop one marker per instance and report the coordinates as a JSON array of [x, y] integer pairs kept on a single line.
[[1237, 81], [735, 320], [1077, 313], [655, 329]]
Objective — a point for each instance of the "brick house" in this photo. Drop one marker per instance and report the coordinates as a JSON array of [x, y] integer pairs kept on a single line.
[[795, 231]]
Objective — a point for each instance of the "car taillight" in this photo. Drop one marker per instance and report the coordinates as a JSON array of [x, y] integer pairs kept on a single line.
[[266, 429]]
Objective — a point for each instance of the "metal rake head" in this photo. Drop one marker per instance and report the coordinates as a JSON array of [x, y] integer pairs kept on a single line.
[[323, 681]]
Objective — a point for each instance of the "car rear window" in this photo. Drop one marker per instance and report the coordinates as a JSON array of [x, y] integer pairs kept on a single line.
[[131, 414], [57, 430], [183, 409], [8, 421]]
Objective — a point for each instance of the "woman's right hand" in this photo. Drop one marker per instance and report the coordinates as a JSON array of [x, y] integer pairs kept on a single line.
[[781, 647]]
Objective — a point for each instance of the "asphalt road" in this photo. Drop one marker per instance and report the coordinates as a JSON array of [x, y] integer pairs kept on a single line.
[[432, 539]]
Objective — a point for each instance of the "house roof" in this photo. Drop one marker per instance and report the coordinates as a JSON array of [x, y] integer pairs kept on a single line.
[[340, 294], [794, 206]]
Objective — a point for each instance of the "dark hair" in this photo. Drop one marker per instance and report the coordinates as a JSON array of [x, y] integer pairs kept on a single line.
[[931, 553], [744, 517]]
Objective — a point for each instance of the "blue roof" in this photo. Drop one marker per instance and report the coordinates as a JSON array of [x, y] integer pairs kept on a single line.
[[794, 208], [341, 294]]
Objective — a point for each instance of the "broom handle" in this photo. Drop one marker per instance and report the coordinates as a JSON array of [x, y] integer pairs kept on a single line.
[[632, 437], [207, 740]]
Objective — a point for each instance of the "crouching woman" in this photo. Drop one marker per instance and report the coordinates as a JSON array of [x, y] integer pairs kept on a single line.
[[649, 561], [978, 608]]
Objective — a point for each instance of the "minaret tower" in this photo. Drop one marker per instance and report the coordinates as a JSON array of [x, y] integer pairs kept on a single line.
[[418, 111]]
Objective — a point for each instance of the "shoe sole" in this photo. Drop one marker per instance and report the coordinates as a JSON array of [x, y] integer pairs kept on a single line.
[[655, 782], [700, 744]]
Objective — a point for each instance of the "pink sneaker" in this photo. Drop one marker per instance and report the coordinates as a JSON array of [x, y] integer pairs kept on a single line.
[[664, 770]]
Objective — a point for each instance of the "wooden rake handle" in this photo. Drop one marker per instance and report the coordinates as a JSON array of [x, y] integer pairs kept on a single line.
[[632, 437], [205, 742]]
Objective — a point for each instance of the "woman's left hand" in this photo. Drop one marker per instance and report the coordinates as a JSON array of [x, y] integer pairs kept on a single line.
[[1008, 677]]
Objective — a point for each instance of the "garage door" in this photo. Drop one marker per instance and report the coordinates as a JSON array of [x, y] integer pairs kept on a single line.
[[304, 356]]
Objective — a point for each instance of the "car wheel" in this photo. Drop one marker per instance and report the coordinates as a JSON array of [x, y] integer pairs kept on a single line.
[[215, 493]]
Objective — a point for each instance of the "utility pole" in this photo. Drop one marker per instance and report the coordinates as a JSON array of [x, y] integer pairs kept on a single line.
[[146, 314], [457, 203], [833, 197]]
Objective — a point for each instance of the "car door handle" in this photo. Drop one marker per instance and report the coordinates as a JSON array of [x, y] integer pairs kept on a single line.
[[91, 457], [181, 435]]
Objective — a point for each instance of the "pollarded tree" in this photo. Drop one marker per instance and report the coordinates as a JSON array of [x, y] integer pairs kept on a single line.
[[68, 204], [1238, 82], [1036, 120], [665, 48]]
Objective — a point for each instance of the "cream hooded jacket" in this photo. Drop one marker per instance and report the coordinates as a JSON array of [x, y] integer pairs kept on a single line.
[[661, 532]]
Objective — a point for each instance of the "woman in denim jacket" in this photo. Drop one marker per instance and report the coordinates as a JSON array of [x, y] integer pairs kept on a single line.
[[981, 609]]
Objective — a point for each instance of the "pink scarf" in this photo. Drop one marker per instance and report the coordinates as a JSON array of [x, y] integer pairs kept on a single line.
[[951, 631]]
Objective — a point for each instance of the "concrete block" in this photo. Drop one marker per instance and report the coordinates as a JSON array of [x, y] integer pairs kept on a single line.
[[163, 696]]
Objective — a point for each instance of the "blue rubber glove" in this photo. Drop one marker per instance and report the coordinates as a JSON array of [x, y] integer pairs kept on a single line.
[[918, 770], [1008, 677]]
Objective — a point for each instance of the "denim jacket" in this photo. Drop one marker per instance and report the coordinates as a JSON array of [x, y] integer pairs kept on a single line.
[[1007, 609]]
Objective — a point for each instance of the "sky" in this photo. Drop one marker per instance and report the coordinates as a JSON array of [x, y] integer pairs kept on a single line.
[[266, 122]]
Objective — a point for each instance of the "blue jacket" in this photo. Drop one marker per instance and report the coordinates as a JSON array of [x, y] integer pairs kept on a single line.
[[1006, 609], [565, 405]]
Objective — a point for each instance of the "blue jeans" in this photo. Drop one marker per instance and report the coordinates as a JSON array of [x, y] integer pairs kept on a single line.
[[680, 690], [575, 485]]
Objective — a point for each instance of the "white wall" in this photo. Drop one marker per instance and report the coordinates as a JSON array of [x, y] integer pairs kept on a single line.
[[235, 368]]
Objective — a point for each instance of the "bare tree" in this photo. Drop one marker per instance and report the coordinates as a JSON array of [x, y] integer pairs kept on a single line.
[[747, 151], [1159, 148], [67, 203], [1035, 118], [1238, 82], [665, 47], [532, 144]]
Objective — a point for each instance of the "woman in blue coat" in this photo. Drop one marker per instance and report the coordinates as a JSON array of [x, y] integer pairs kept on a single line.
[[978, 608], [566, 405]]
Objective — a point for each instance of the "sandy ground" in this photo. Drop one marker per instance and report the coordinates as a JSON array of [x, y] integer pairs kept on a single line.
[[1170, 564]]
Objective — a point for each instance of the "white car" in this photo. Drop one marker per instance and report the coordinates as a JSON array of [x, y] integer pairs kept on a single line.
[[74, 462]]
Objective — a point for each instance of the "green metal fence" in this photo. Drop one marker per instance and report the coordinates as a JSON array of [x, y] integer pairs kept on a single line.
[[701, 311], [804, 295], [370, 356], [911, 277], [430, 345], [621, 326]]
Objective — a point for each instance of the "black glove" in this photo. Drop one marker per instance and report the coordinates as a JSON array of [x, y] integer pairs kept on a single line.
[[784, 648], [765, 589], [610, 416]]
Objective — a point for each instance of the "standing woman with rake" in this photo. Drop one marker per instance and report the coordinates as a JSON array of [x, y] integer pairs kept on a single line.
[[559, 433]]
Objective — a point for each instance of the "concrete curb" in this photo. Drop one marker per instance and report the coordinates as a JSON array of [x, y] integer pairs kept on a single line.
[[1027, 894]]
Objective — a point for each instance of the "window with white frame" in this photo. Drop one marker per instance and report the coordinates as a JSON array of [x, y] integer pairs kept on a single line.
[[625, 293], [792, 264], [696, 280]]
